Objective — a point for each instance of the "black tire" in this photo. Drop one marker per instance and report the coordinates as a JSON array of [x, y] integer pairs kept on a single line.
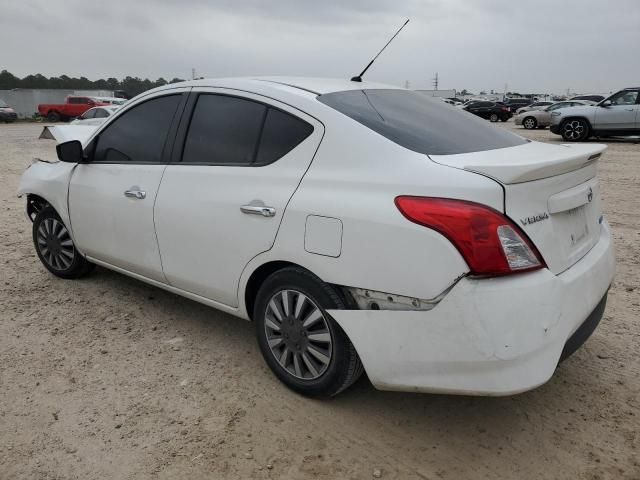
[[504, 119], [55, 247], [493, 118], [530, 123], [53, 117], [575, 130], [343, 367]]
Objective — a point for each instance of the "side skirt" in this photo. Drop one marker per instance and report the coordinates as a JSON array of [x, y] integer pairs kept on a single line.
[[191, 296]]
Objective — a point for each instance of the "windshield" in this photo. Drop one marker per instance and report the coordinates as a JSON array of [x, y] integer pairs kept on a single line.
[[414, 121]]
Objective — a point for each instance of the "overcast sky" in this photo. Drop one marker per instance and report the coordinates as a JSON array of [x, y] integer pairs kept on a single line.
[[541, 46]]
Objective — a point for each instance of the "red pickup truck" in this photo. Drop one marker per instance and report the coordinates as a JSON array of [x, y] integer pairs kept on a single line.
[[73, 107]]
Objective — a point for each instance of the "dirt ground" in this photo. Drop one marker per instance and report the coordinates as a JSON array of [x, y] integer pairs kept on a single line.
[[110, 378]]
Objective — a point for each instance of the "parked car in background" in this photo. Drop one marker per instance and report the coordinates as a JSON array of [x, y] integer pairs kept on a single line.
[[361, 227], [94, 116], [492, 111], [112, 100], [618, 115], [531, 119], [516, 103], [591, 98], [7, 114], [534, 106], [72, 108]]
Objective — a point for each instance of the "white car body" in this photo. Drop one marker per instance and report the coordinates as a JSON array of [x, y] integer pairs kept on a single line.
[[334, 215], [95, 116]]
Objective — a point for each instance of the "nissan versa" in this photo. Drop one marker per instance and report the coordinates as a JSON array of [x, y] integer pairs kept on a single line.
[[361, 227]]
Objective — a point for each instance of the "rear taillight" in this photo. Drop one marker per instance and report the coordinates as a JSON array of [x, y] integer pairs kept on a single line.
[[489, 242]]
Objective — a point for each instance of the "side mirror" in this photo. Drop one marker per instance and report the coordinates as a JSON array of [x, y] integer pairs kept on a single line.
[[70, 152], [606, 103]]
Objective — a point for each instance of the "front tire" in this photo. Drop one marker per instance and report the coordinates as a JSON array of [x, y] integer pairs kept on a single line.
[[55, 247], [493, 118], [575, 130], [304, 347], [53, 117], [530, 123]]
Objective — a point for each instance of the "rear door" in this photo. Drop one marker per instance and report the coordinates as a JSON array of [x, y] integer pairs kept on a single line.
[[111, 197], [621, 114], [238, 159]]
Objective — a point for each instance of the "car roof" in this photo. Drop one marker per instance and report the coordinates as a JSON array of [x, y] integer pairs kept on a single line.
[[316, 86]]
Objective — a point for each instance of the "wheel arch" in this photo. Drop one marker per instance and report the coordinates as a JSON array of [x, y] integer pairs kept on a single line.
[[577, 117], [35, 203], [262, 272]]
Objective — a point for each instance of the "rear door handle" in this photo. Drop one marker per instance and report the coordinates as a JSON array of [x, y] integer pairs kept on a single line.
[[258, 210], [139, 194]]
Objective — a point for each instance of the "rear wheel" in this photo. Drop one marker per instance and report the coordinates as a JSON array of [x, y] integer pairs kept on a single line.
[[529, 123], [575, 130], [55, 247], [53, 117], [494, 117], [305, 348]]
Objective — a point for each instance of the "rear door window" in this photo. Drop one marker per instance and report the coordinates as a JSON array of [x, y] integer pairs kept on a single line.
[[414, 121], [226, 130]]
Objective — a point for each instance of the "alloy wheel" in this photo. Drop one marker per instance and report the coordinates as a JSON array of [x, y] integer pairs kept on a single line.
[[55, 244], [574, 130], [529, 123], [298, 334]]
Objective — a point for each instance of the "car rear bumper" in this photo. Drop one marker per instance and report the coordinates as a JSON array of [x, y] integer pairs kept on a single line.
[[497, 336]]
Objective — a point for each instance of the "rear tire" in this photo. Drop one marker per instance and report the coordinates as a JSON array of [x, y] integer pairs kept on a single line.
[[53, 117], [305, 348], [575, 130], [493, 118], [55, 247], [530, 123]]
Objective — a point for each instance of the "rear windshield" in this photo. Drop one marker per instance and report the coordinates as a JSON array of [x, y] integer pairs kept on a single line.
[[415, 121]]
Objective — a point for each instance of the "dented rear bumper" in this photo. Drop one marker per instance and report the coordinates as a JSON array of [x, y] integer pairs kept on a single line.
[[496, 336]]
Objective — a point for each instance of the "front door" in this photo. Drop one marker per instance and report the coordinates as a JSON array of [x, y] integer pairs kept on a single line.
[[221, 202], [621, 114], [111, 197]]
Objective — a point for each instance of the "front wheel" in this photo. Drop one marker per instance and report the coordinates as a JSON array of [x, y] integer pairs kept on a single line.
[[53, 117], [575, 130], [304, 347], [55, 247], [494, 117], [530, 123]]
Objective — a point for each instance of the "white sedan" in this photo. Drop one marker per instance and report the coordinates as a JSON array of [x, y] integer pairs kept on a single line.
[[359, 226], [95, 116]]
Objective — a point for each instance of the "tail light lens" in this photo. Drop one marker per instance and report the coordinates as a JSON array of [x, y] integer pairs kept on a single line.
[[489, 242]]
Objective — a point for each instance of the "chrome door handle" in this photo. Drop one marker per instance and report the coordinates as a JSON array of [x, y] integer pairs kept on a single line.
[[258, 210], [139, 194]]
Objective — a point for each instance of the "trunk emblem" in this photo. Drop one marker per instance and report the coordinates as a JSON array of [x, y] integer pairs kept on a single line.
[[590, 195], [534, 219]]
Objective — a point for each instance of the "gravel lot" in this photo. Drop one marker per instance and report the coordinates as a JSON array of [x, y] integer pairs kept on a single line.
[[110, 378]]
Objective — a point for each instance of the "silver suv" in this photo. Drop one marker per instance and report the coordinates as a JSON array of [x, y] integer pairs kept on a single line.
[[618, 115]]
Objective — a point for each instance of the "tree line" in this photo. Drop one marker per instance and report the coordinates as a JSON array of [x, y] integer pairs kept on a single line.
[[132, 86]]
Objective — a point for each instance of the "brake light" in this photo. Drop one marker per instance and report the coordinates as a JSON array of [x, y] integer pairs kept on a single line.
[[489, 242]]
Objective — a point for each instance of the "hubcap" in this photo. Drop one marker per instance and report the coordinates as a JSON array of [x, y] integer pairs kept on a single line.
[[298, 334], [528, 123], [55, 245], [574, 130]]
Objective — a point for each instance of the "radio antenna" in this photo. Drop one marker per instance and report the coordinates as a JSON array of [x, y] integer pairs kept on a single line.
[[359, 77]]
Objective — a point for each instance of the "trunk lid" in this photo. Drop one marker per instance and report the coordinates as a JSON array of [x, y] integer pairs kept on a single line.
[[551, 192]]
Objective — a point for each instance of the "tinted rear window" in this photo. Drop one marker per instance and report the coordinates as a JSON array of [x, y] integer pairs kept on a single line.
[[414, 121]]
